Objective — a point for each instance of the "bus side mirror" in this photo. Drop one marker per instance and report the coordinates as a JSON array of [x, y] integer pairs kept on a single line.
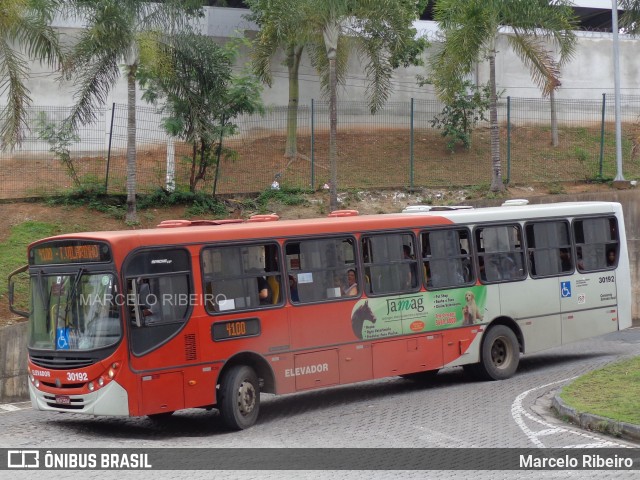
[[11, 291]]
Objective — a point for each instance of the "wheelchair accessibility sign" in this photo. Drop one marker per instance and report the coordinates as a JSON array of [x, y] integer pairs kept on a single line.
[[565, 289], [62, 338]]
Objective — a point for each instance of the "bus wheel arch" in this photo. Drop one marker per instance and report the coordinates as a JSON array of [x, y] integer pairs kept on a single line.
[[500, 351], [510, 323], [258, 364]]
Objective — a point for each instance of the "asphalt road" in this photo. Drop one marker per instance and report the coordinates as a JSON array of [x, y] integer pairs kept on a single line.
[[449, 412]]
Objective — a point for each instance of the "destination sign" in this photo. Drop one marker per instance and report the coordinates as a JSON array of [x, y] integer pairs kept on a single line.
[[75, 251]]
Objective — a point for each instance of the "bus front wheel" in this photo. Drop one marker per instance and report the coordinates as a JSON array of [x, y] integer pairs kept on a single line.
[[499, 356], [239, 400]]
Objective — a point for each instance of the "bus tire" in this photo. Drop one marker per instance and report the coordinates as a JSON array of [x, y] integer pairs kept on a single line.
[[239, 401], [499, 356]]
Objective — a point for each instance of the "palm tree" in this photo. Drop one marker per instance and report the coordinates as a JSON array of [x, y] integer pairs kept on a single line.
[[25, 34], [118, 32], [469, 31], [379, 31], [630, 19], [281, 26]]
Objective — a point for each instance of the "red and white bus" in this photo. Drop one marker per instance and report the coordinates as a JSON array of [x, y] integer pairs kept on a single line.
[[211, 313]]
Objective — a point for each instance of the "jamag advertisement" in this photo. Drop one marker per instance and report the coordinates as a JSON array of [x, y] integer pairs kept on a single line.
[[418, 312]]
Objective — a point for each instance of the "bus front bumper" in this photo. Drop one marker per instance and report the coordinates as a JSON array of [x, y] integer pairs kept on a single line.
[[112, 400]]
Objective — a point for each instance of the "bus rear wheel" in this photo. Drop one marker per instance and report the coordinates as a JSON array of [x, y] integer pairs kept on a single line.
[[499, 356], [239, 400]]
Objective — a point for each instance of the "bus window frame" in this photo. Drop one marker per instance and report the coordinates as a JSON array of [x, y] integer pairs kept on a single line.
[[478, 253], [470, 255], [205, 277], [566, 220], [355, 240], [607, 244], [369, 290]]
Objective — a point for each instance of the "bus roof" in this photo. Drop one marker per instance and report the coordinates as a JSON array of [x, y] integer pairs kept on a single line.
[[341, 224]]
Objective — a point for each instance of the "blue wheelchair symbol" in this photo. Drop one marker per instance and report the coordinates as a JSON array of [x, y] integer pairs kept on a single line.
[[565, 289], [62, 340]]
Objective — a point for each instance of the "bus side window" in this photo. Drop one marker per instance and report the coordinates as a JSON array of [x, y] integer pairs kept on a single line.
[[597, 243], [446, 262], [390, 264], [500, 253], [549, 246], [241, 277], [320, 269]]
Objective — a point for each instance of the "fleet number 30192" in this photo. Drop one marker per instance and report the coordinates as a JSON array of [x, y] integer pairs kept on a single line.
[[77, 377]]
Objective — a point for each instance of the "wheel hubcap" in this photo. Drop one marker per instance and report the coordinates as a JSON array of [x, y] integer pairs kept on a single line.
[[499, 353], [246, 398]]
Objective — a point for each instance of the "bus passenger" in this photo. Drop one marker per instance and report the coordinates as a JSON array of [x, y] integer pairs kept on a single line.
[[481, 269], [149, 303], [611, 258], [293, 287], [410, 281], [508, 268], [352, 287], [580, 260], [263, 291], [565, 260]]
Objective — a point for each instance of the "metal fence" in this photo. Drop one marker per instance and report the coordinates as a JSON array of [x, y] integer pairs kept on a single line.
[[396, 148]]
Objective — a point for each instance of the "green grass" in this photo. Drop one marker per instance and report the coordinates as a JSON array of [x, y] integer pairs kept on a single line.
[[13, 254], [611, 392]]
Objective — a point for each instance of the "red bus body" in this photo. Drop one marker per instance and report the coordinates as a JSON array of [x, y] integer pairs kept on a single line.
[[291, 347]]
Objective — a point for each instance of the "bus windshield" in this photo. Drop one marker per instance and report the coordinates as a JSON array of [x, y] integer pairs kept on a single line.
[[74, 311]]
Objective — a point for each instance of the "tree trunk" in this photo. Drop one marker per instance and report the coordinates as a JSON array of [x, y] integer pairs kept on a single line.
[[132, 216], [294, 54], [496, 165], [333, 134], [331, 34], [554, 119], [194, 161]]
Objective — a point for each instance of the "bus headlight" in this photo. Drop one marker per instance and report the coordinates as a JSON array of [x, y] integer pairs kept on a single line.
[[101, 381], [111, 373], [91, 386]]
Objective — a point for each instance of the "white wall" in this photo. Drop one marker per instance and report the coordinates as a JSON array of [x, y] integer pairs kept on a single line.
[[588, 76]]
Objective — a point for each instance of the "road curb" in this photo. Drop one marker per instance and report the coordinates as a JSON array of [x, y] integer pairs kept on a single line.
[[596, 423]]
